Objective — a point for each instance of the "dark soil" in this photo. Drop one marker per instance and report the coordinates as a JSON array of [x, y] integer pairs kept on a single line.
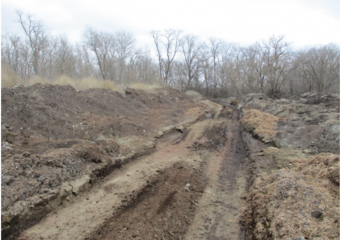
[[53, 134], [162, 210]]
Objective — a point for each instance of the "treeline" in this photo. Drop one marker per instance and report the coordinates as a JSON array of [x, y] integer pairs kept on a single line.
[[214, 67], [101, 55]]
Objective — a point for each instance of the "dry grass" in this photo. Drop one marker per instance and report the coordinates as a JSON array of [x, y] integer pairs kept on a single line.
[[145, 87], [322, 166], [194, 95], [36, 79], [8, 77], [261, 125], [86, 83], [281, 205]]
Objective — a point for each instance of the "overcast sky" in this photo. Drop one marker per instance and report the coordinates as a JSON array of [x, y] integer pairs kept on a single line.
[[303, 22]]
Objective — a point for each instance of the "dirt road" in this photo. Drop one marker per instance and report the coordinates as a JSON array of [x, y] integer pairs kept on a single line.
[[217, 215], [190, 187]]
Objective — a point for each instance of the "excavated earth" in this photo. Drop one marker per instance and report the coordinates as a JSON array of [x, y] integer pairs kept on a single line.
[[294, 190], [99, 164]]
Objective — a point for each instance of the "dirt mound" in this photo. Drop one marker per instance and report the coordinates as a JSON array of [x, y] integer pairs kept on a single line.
[[261, 125], [55, 135], [311, 122], [294, 192], [302, 202]]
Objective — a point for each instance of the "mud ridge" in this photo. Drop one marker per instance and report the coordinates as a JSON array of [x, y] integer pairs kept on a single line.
[[13, 225], [162, 209]]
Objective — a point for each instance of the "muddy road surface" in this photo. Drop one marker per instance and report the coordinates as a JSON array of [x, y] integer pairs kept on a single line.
[[189, 187]]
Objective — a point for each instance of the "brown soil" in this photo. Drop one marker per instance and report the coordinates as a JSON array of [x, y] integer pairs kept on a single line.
[[99, 164], [103, 165], [57, 142], [310, 123], [162, 209], [294, 193], [302, 202]]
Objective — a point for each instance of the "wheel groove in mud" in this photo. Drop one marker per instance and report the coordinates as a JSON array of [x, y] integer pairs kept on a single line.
[[96, 206], [189, 188], [217, 216]]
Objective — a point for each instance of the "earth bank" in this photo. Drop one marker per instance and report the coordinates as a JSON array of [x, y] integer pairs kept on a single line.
[[295, 186], [98, 164]]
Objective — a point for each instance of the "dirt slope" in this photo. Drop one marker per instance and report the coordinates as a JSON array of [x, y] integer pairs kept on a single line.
[[295, 189], [99, 164], [310, 122], [104, 165], [157, 196], [57, 142]]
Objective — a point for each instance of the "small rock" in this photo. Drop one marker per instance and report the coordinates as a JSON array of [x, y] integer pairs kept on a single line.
[[316, 214], [159, 134], [180, 129], [26, 154]]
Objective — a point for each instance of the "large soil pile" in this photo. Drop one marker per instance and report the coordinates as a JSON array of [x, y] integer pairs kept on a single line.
[[99, 164], [311, 122], [57, 141], [295, 195]]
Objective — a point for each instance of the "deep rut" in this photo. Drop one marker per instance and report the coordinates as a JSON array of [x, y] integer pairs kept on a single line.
[[189, 188], [217, 216]]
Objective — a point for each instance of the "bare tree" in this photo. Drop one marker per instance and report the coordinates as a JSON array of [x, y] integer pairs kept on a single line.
[[37, 38], [10, 50], [83, 64], [215, 51], [320, 68], [103, 46], [205, 67], [167, 43], [278, 59], [252, 67], [190, 49], [125, 43], [64, 58]]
